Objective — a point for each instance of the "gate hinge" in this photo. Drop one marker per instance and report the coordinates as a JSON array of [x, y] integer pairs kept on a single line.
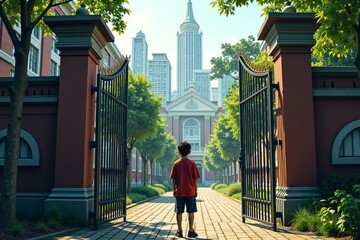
[[276, 86], [94, 89], [277, 142], [92, 144]]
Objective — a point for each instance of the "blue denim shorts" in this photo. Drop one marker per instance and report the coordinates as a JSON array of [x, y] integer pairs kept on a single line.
[[189, 202]]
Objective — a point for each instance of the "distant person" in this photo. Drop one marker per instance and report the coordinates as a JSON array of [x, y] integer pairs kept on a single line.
[[184, 175]]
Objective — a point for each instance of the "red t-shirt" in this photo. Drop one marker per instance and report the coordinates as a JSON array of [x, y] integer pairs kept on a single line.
[[184, 173]]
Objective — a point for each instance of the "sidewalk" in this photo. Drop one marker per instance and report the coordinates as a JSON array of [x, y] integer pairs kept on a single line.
[[218, 217]]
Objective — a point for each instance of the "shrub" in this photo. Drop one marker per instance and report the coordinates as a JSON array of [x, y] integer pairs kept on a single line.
[[17, 228], [53, 214], [40, 227], [340, 215], [70, 219], [158, 185], [305, 220], [158, 190], [346, 183], [148, 192], [168, 187], [219, 186], [237, 196], [128, 199], [212, 186], [136, 197], [232, 189], [53, 223]]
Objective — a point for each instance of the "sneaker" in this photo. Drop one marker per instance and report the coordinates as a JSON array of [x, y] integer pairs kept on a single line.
[[179, 233], [192, 234]]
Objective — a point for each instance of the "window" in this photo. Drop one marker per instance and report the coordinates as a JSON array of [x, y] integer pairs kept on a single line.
[[53, 45], [346, 146], [12, 73], [34, 59], [36, 32], [192, 134], [106, 59], [53, 68], [29, 154]]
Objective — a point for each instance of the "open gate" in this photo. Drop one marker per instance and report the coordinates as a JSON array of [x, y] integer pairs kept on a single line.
[[257, 156], [110, 146]]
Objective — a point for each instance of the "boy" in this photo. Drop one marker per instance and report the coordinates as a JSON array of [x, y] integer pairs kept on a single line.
[[184, 175]]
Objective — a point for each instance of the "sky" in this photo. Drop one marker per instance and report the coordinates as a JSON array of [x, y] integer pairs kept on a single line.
[[160, 21]]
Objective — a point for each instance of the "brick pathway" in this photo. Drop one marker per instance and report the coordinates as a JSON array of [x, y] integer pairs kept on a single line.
[[218, 217]]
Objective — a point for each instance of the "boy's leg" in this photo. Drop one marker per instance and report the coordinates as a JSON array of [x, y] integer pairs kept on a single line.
[[179, 220], [191, 221]]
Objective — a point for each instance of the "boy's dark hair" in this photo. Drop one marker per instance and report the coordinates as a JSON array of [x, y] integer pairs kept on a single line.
[[184, 148]]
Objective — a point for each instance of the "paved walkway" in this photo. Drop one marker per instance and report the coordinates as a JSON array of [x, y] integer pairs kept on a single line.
[[218, 217]]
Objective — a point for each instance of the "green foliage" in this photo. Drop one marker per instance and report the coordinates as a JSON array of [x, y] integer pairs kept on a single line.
[[70, 219], [169, 154], [212, 158], [159, 190], [306, 220], [213, 185], [236, 196], [168, 187], [40, 227], [53, 213], [136, 197], [147, 191], [233, 189], [346, 183], [340, 215], [339, 30], [17, 228], [129, 200], [53, 223], [220, 186], [227, 64]]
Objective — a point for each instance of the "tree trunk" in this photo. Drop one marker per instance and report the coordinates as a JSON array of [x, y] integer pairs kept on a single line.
[[145, 171], [12, 140], [151, 173], [129, 169], [235, 175]]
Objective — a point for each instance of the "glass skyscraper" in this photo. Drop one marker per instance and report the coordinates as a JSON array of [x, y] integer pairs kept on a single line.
[[189, 51], [139, 54]]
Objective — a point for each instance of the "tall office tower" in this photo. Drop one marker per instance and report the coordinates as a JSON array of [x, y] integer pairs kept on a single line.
[[189, 50], [139, 55], [160, 76], [224, 85], [202, 82]]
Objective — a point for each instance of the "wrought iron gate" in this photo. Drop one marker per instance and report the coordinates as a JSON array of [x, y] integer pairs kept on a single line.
[[110, 146], [257, 158]]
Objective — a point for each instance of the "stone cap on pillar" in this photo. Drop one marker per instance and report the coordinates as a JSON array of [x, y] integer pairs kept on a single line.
[[288, 29], [80, 32]]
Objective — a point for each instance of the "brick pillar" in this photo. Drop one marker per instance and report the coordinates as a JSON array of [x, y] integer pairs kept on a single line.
[[289, 37], [80, 40]]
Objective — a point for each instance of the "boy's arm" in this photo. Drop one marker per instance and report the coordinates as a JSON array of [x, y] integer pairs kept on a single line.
[[173, 184], [196, 186]]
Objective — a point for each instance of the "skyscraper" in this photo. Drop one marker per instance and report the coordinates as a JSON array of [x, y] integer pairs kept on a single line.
[[189, 50], [202, 82], [139, 54], [160, 76]]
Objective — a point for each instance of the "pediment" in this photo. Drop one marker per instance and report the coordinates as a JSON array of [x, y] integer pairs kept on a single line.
[[191, 102]]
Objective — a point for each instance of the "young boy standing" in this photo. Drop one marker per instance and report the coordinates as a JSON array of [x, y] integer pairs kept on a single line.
[[184, 175]]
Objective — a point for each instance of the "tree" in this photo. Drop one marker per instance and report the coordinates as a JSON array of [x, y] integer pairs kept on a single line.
[[152, 147], [227, 144], [170, 153], [227, 64], [143, 115], [27, 14], [339, 31], [212, 157]]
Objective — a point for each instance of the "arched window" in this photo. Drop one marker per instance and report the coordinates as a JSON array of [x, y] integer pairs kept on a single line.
[[29, 154], [192, 134], [346, 146]]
